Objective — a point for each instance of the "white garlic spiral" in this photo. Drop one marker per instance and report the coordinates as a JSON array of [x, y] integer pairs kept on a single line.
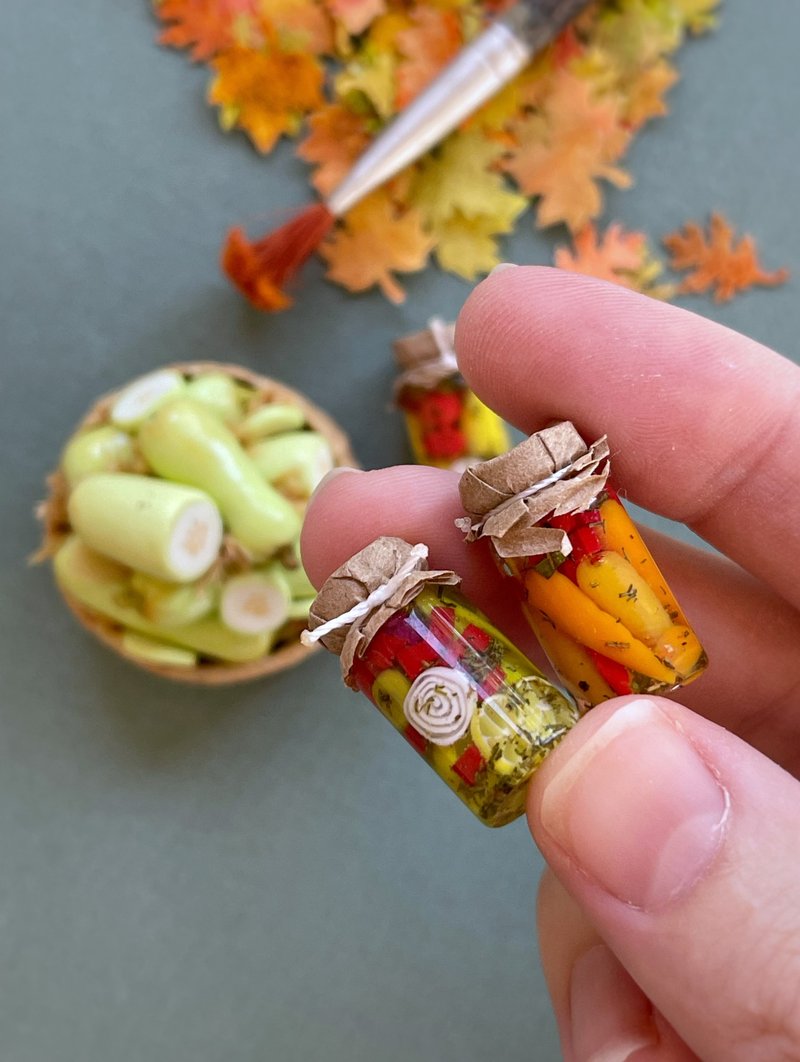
[[440, 705]]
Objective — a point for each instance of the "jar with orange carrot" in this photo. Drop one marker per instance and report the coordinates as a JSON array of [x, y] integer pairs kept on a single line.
[[592, 592]]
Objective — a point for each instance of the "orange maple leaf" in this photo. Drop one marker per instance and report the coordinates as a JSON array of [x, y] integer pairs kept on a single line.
[[646, 90], [716, 262], [563, 151], [204, 26], [612, 256], [268, 90], [376, 240], [427, 46], [355, 15], [337, 138]]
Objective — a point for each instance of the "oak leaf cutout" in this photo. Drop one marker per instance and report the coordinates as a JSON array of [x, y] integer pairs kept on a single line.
[[618, 256], [716, 262]]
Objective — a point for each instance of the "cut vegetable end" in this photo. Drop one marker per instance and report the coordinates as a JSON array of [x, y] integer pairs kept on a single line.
[[196, 539], [139, 399], [254, 603]]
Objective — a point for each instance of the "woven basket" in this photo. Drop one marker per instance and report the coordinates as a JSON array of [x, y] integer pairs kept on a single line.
[[52, 512]]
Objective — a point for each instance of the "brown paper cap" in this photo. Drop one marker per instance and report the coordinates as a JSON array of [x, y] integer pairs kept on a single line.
[[513, 527], [354, 581], [53, 516], [421, 360]]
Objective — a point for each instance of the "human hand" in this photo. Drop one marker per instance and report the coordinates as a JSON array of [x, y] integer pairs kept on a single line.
[[669, 922]]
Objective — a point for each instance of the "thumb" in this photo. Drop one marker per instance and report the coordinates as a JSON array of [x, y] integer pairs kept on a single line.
[[679, 842]]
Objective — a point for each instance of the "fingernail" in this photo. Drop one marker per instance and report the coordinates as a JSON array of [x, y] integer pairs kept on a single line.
[[334, 472], [610, 1017], [637, 808], [501, 266]]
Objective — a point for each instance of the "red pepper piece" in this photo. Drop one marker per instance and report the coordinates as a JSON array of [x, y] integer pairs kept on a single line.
[[588, 516], [443, 623], [363, 676], [382, 651], [567, 522], [493, 682], [585, 540], [479, 639], [413, 659], [569, 567], [615, 674], [440, 409], [444, 442], [468, 764], [415, 739], [399, 629]]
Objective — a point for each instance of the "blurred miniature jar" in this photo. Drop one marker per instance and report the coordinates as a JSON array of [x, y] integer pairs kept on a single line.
[[447, 425], [461, 694], [592, 592]]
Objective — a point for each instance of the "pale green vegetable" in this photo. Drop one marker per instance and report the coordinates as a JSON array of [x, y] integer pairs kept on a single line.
[[105, 449], [100, 584], [256, 601], [300, 608], [171, 605], [169, 531], [298, 582], [140, 398], [295, 461], [154, 651], [217, 391], [185, 442], [271, 420]]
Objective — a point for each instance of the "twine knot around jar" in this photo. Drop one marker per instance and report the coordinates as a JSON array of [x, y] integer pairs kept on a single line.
[[552, 472], [366, 591]]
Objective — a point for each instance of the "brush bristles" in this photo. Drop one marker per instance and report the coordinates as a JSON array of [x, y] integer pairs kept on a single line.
[[261, 268]]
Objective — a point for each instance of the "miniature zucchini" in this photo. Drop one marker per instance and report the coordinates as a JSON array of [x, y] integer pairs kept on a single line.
[[166, 530], [185, 442]]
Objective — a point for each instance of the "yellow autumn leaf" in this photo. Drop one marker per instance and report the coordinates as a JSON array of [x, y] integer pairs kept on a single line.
[[370, 75], [459, 178], [376, 240], [467, 246]]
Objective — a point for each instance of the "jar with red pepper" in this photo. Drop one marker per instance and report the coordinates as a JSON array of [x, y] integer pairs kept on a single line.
[[447, 425], [470, 703], [591, 590]]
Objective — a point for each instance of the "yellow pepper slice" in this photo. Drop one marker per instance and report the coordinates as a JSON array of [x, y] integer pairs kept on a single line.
[[620, 534], [619, 589]]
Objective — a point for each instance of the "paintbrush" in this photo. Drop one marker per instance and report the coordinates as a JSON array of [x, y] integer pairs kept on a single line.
[[261, 268]]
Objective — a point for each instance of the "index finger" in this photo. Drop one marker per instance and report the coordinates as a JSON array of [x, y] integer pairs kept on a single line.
[[703, 423]]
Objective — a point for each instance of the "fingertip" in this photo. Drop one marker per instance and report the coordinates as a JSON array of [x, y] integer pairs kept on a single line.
[[351, 509]]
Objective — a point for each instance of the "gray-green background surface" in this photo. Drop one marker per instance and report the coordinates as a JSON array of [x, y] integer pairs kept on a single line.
[[263, 873]]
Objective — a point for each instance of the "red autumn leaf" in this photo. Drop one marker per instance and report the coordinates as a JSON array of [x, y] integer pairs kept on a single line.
[[716, 261]]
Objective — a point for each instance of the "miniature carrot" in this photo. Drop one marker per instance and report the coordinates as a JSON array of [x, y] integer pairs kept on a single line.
[[581, 619]]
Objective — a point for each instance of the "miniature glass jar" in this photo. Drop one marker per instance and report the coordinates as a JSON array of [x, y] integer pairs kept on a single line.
[[592, 592], [447, 425], [476, 709]]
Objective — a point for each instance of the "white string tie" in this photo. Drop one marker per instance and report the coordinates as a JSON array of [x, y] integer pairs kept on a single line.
[[378, 596]]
